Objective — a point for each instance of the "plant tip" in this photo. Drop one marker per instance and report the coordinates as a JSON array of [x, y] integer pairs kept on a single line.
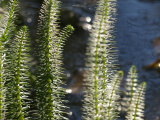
[[120, 73], [144, 83], [70, 27]]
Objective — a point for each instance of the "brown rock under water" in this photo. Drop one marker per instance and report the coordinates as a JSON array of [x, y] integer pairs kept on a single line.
[[155, 65]]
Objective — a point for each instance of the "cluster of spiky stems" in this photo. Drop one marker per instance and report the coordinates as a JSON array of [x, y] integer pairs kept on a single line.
[[15, 84], [102, 81]]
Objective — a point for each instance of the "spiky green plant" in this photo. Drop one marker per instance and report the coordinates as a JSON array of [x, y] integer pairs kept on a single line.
[[100, 95], [134, 99], [50, 43], [7, 25], [17, 91], [48, 89]]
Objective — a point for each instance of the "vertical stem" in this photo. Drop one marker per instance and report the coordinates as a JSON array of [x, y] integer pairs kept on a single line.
[[50, 104], [21, 115], [3, 37], [96, 61], [138, 100], [1, 86], [110, 99]]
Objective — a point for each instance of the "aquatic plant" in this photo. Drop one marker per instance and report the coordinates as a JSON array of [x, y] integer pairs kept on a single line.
[[15, 82], [102, 81], [49, 75], [101, 93], [134, 96], [7, 25]]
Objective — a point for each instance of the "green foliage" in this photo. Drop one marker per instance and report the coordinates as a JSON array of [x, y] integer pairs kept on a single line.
[[102, 91], [101, 94], [134, 98], [9, 25], [5, 33], [102, 79], [50, 43], [17, 84]]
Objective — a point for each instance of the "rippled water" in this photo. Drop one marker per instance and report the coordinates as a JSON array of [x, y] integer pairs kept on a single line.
[[137, 26]]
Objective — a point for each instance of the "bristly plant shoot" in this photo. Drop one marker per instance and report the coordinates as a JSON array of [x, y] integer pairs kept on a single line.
[[102, 91], [49, 72], [134, 97], [101, 96]]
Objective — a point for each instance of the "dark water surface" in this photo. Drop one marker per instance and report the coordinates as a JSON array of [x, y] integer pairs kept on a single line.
[[137, 26]]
